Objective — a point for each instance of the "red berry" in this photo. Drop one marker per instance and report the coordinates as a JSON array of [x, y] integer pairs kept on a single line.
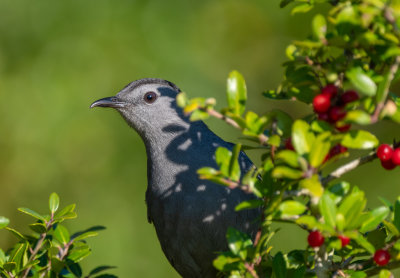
[[330, 90], [349, 96], [288, 144], [396, 156], [337, 149], [381, 257], [342, 127], [337, 113], [388, 164], [384, 152], [323, 116], [344, 239], [321, 103], [315, 239]]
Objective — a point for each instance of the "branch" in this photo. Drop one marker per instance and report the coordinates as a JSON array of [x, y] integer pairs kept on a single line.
[[376, 270], [261, 137], [352, 165], [392, 71]]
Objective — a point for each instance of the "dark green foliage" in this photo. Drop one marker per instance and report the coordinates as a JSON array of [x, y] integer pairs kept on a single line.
[[355, 46], [50, 251]]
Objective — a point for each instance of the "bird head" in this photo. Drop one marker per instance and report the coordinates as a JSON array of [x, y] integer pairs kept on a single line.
[[148, 105]]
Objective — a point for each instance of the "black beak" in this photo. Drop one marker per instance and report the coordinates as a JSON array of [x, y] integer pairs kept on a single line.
[[112, 102]]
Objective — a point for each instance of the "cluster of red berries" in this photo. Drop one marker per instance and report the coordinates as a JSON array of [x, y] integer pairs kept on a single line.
[[316, 239], [389, 158], [330, 107]]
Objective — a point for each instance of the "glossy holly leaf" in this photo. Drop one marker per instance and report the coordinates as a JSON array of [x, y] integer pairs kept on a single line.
[[364, 243], [61, 234], [78, 253], [32, 213], [396, 220], [384, 273], [281, 172], [15, 233], [18, 255], [289, 157], [358, 117], [54, 202], [100, 269], [302, 8], [320, 149], [313, 185], [238, 242], [359, 139], [352, 207], [319, 26], [227, 262], [236, 93], [279, 265], [198, 115], [4, 222], [362, 82], [291, 208], [376, 216], [39, 228], [249, 204], [327, 208], [234, 167], [223, 157], [338, 191], [302, 137]]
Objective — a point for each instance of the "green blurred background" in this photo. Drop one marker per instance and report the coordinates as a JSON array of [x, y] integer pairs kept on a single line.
[[56, 57]]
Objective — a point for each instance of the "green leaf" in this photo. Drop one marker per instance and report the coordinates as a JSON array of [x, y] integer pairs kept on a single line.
[[236, 93], [279, 265], [234, 167], [223, 158], [32, 213], [16, 233], [100, 269], [65, 212], [338, 191], [328, 209], [4, 222], [313, 185], [289, 157], [19, 255], [362, 82], [79, 253], [85, 235], [54, 202], [182, 99], [198, 115], [321, 126], [9, 266], [238, 242], [307, 220], [365, 244], [291, 208], [376, 217], [226, 262], [302, 137], [280, 172], [358, 117], [352, 207], [359, 139], [249, 204], [320, 149], [396, 220], [61, 234], [106, 276], [39, 228], [319, 26], [301, 8], [384, 273]]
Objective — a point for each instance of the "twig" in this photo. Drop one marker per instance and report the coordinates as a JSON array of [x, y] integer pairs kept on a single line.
[[261, 137], [376, 270], [250, 269], [34, 253], [352, 165]]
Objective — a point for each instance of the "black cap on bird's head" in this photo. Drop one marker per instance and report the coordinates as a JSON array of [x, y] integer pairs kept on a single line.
[[147, 104]]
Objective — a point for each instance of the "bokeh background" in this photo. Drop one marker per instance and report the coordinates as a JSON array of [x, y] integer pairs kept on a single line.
[[56, 57]]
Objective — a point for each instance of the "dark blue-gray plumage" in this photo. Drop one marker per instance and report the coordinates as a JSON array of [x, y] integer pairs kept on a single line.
[[191, 216]]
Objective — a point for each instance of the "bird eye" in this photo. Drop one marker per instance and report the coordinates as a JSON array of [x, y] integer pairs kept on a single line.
[[150, 97]]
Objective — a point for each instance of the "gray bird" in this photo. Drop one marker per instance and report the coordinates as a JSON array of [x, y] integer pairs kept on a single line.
[[191, 216]]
